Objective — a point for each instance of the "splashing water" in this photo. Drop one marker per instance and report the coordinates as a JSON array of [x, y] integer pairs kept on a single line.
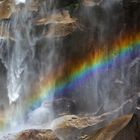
[[20, 1]]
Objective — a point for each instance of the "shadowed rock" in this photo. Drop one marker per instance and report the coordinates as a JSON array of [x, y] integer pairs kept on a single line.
[[111, 130], [61, 106], [126, 127], [132, 130]]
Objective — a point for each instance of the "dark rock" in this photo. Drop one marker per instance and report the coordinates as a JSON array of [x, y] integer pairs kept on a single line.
[[110, 131], [61, 106], [132, 14], [132, 130]]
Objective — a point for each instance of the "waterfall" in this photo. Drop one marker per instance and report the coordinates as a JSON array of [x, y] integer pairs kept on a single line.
[[20, 1], [22, 66], [79, 50]]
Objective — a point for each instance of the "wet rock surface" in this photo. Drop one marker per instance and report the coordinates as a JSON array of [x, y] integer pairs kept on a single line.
[[110, 131], [84, 128]]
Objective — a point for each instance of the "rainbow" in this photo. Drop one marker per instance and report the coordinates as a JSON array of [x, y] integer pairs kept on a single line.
[[98, 60]]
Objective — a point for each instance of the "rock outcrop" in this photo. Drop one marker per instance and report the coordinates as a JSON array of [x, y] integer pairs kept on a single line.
[[37, 135], [59, 24], [84, 128], [6, 9]]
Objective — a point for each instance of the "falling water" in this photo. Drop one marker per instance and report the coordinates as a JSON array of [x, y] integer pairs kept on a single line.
[[50, 62], [20, 59]]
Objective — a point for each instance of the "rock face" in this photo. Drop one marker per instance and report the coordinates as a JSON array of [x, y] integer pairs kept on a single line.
[[125, 127], [59, 24], [132, 130], [110, 131], [132, 14]]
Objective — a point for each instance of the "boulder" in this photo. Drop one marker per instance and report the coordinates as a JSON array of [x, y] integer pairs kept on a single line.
[[37, 135], [72, 126], [92, 126]]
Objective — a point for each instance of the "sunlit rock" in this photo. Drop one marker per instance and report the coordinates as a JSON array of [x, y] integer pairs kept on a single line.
[[59, 24], [73, 121], [60, 30], [32, 134], [72, 126], [6, 9], [37, 135], [56, 18]]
